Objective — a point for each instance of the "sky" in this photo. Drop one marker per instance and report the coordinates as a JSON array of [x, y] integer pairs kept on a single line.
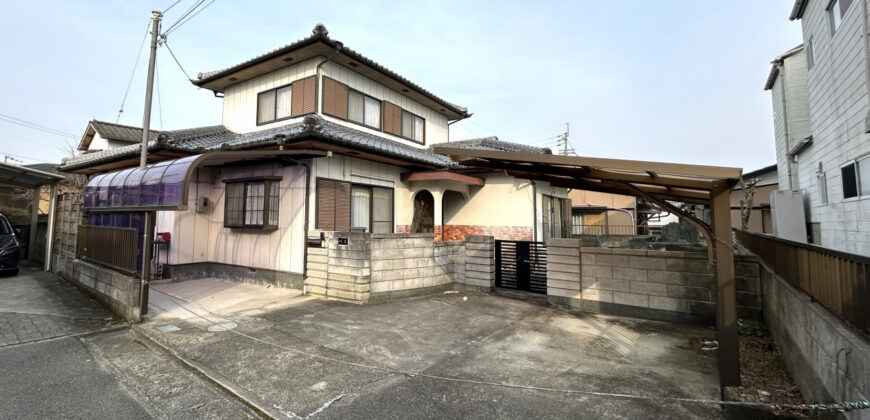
[[671, 81]]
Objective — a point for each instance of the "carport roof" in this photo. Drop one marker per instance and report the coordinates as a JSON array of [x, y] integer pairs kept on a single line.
[[666, 181], [21, 176]]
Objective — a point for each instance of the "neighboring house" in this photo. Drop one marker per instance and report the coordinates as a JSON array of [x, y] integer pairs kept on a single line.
[[832, 166], [327, 140], [594, 213], [760, 217], [101, 135]]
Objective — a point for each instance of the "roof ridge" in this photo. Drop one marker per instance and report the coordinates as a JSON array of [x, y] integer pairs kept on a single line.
[[120, 125]]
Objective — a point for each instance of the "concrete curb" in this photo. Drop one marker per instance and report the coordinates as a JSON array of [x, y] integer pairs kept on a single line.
[[247, 398], [73, 335]]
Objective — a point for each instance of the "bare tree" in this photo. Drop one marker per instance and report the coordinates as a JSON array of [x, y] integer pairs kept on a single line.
[[746, 203]]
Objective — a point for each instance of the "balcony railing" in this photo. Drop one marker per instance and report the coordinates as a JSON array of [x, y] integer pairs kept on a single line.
[[117, 248], [837, 280], [616, 230]]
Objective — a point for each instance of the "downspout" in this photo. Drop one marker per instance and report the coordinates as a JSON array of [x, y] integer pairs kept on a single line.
[[534, 211], [866, 62], [319, 72], [788, 156]]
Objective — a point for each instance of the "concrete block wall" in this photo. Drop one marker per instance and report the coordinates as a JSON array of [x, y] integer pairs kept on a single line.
[[665, 285], [340, 271], [829, 360], [479, 263], [563, 272], [403, 262], [118, 291]]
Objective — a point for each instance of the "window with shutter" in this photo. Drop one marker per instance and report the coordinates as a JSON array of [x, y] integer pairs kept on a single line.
[[334, 98], [304, 99], [342, 206]]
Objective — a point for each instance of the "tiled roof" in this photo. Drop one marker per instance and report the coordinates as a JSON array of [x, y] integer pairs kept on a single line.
[[493, 143], [120, 132], [321, 34], [218, 137]]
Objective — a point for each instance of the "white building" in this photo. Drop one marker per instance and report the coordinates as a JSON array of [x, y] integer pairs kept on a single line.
[[831, 157]]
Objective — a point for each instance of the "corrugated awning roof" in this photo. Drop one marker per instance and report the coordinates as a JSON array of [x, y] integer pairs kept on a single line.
[[22, 176]]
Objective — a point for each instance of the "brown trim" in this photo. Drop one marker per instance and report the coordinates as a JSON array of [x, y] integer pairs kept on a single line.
[[253, 178], [267, 190], [441, 176]]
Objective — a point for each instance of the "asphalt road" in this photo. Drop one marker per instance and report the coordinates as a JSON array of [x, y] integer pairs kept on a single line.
[[60, 379]]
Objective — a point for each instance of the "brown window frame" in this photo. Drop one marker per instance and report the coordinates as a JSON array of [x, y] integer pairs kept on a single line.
[[317, 224], [293, 93], [267, 189], [402, 126]]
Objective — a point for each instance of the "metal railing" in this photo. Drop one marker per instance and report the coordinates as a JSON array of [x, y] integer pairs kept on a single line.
[[837, 280], [111, 246], [598, 230]]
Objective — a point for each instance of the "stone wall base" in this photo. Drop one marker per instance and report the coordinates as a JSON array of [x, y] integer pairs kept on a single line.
[[284, 279]]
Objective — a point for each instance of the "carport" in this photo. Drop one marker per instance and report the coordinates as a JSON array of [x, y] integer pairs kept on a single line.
[[659, 183], [20, 176]]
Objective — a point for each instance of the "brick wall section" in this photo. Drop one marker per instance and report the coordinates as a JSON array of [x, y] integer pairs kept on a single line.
[[460, 232], [563, 268], [665, 280], [412, 261], [512, 233], [479, 262]]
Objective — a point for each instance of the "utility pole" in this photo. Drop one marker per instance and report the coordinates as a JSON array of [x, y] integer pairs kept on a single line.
[[564, 140], [156, 16]]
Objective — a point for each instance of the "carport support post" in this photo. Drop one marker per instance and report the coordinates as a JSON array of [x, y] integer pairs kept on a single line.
[[726, 301], [34, 224], [49, 233]]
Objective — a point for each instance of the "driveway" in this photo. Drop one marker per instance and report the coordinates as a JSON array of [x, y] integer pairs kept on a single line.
[[452, 355]]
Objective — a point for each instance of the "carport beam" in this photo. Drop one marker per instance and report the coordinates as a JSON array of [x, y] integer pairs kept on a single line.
[[726, 304]]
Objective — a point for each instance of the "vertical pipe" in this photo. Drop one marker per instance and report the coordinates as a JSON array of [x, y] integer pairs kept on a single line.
[[49, 234], [726, 300], [34, 223], [156, 15]]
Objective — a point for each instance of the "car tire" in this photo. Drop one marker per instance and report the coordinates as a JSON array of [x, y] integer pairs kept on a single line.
[[13, 273]]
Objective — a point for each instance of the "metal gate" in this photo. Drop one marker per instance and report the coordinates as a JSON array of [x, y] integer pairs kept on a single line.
[[521, 265]]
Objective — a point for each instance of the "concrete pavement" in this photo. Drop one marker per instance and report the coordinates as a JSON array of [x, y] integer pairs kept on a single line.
[[433, 357], [58, 361]]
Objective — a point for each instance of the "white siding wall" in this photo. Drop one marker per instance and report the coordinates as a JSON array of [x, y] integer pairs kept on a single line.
[[838, 106], [791, 87], [201, 237], [240, 101], [436, 124]]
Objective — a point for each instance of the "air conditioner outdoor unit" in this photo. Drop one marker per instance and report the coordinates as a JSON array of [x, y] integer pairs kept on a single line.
[[789, 220]]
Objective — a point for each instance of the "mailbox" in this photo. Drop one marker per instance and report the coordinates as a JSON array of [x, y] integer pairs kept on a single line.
[[162, 238]]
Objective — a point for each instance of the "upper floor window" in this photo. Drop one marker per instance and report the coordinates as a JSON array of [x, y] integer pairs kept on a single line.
[[412, 126], [836, 11], [363, 109], [281, 103], [252, 204], [274, 105], [856, 178]]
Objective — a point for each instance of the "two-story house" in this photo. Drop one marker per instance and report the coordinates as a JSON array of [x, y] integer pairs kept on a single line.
[[314, 136], [820, 99]]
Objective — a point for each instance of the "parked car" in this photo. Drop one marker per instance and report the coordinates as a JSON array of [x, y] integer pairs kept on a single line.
[[10, 248]]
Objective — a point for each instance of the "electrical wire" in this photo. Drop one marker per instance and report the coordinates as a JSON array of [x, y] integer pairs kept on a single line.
[[34, 126], [180, 23], [133, 74], [166, 44], [170, 7], [185, 14], [7, 135]]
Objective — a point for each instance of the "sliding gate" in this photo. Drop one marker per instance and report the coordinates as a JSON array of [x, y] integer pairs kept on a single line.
[[521, 265]]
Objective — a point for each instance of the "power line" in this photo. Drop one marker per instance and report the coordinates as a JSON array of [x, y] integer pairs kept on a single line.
[[31, 141], [185, 14], [30, 158], [35, 126], [170, 7], [135, 66], [179, 23], [176, 59]]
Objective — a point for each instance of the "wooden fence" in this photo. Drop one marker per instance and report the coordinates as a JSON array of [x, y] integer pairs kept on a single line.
[[115, 247], [615, 230], [837, 280]]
